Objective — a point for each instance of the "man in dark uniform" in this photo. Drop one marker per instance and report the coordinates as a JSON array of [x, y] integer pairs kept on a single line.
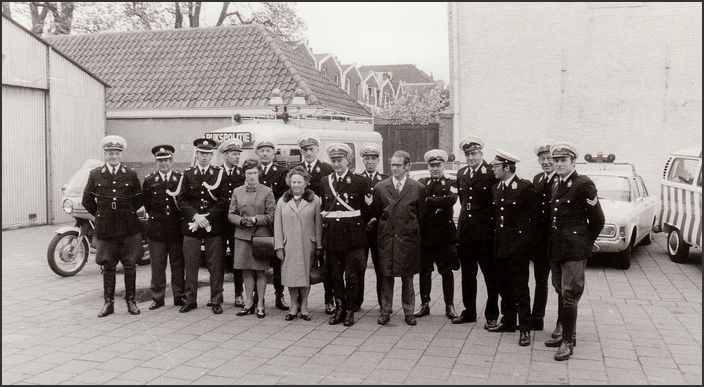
[[310, 145], [438, 234], [233, 177], [515, 207], [203, 202], [345, 217], [542, 182], [576, 221], [274, 177], [163, 230], [113, 195], [370, 153], [476, 233]]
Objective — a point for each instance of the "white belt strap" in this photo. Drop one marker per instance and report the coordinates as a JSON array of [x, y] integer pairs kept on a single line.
[[337, 196], [341, 214]]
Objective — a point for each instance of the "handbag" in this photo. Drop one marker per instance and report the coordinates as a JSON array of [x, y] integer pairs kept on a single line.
[[263, 243]]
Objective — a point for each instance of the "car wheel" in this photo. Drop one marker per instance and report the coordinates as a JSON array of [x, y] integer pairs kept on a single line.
[[623, 259], [649, 238], [676, 248]]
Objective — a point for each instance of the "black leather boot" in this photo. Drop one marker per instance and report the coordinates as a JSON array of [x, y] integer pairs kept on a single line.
[[108, 294], [424, 310], [349, 318], [339, 315], [130, 290]]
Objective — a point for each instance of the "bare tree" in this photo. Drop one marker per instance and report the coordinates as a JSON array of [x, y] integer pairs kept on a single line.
[[62, 17], [38, 17]]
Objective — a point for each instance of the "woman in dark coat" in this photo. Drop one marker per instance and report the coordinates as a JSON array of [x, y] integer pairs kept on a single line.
[[252, 205]]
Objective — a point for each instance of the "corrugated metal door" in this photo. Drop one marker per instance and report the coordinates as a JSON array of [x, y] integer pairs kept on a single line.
[[23, 157]]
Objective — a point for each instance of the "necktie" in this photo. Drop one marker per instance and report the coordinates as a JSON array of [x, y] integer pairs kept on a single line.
[[113, 171], [501, 185], [202, 171], [471, 174], [398, 187], [310, 170]]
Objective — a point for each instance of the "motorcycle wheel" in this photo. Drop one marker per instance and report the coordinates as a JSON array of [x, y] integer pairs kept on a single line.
[[62, 260]]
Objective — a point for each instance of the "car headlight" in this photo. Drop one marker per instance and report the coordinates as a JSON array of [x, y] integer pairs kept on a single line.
[[68, 206], [609, 231]]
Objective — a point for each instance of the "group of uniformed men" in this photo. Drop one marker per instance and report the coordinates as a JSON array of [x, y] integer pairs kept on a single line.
[[504, 222]]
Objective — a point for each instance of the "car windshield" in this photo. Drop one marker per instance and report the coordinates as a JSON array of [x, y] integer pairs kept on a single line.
[[612, 187]]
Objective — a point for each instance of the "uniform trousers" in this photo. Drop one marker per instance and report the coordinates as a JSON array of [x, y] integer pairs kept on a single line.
[[541, 272], [472, 256], [346, 266], [437, 255], [568, 280], [278, 287], [229, 241], [513, 273], [126, 249], [374, 250], [213, 261], [408, 295], [160, 252]]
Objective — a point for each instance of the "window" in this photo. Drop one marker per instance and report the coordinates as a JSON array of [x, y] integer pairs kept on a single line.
[[680, 171], [325, 72], [337, 79], [347, 85], [641, 186], [359, 92]]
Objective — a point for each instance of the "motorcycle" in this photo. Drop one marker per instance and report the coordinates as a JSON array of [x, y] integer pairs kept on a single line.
[[70, 248]]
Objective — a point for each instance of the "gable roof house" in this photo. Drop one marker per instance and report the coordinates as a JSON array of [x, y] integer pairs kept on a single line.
[[175, 85], [403, 77]]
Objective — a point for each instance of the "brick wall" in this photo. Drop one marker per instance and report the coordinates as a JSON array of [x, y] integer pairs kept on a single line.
[[616, 78]]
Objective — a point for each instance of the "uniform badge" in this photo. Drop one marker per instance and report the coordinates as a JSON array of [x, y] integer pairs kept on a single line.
[[347, 198], [211, 171], [317, 168], [274, 168], [103, 170], [453, 189], [483, 170], [594, 201], [514, 185], [368, 199], [173, 178], [569, 184], [378, 177], [156, 179], [348, 180], [123, 170], [442, 182]]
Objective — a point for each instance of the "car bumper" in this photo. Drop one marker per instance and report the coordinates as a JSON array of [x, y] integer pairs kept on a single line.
[[610, 245]]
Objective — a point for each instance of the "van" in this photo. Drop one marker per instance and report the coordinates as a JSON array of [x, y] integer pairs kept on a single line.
[[681, 210], [286, 136]]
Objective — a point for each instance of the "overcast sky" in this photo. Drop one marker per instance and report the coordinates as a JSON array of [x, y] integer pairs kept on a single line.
[[381, 33]]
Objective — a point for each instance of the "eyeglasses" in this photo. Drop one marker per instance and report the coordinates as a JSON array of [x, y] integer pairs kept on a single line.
[[397, 165]]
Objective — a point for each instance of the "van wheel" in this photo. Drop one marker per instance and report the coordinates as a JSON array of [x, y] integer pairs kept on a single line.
[[676, 248]]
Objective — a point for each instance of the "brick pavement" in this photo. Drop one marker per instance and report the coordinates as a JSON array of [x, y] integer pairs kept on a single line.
[[640, 326]]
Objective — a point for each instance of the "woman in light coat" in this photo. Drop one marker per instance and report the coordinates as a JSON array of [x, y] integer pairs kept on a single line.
[[252, 205], [297, 238]]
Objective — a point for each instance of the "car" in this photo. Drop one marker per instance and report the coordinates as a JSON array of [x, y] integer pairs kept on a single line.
[[630, 212], [449, 173]]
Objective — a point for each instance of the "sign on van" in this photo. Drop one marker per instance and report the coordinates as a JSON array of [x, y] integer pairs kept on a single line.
[[219, 137]]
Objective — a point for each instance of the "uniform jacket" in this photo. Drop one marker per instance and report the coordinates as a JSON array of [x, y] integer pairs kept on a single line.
[[400, 217], [372, 181], [340, 234], [247, 202], [476, 219], [232, 181], [576, 218], [113, 201], [298, 230], [319, 170], [195, 198], [543, 187], [275, 179], [438, 228], [165, 218], [516, 208]]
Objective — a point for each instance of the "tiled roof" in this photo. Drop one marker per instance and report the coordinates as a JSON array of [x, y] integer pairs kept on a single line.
[[201, 68], [407, 73]]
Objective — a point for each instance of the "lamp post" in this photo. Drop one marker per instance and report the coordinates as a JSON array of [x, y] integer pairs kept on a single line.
[[298, 100]]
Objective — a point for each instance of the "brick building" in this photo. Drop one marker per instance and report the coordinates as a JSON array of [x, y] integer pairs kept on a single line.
[[622, 78]]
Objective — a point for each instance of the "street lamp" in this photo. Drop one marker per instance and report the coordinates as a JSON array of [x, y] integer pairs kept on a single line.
[[298, 100]]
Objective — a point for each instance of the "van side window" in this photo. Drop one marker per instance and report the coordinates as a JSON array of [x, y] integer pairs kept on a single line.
[[680, 171]]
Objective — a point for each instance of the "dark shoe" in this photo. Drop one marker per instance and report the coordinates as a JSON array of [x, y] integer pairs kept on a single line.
[[260, 313], [524, 341], [490, 324], [501, 327], [558, 331], [349, 319], [306, 317], [179, 302], [450, 311], [290, 317], [564, 352], [464, 318], [108, 309], [281, 303], [411, 319], [132, 307], [339, 315], [424, 310], [217, 309], [556, 342], [383, 319], [209, 304], [156, 305], [536, 324], [187, 308], [239, 302], [329, 308], [245, 311]]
